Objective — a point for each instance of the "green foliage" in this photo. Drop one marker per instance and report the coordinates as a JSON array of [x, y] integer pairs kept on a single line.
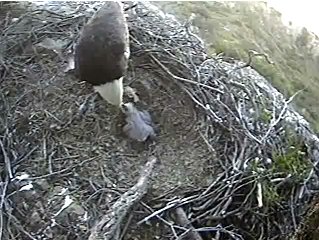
[[303, 39], [236, 27], [270, 194], [265, 116], [292, 161]]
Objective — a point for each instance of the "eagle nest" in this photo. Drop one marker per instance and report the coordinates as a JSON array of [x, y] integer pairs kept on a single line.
[[232, 159]]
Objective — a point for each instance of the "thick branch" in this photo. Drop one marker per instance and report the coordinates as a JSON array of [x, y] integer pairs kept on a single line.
[[108, 226], [182, 220]]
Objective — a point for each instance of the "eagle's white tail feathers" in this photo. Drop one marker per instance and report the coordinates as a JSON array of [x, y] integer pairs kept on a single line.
[[112, 92]]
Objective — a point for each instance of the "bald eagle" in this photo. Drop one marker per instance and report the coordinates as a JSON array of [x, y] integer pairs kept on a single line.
[[102, 52]]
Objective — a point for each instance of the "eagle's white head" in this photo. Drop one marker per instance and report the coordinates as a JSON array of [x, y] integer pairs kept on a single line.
[[112, 92]]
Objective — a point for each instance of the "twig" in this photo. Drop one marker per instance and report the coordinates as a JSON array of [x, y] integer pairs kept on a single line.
[[130, 7], [170, 205], [3, 195], [184, 79], [61, 171], [6, 160], [274, 122]]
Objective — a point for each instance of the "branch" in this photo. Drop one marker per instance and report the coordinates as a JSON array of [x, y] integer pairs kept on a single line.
[[183, 221], [251, 55], [109, 226]]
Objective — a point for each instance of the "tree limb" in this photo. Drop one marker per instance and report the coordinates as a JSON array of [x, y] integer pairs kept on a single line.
[[109, 226]]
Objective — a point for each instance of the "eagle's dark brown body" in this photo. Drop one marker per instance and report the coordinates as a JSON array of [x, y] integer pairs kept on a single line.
[[102, 52]]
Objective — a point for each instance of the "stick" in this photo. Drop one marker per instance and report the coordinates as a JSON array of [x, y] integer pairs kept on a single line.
[[182, 220], [108, 227]]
